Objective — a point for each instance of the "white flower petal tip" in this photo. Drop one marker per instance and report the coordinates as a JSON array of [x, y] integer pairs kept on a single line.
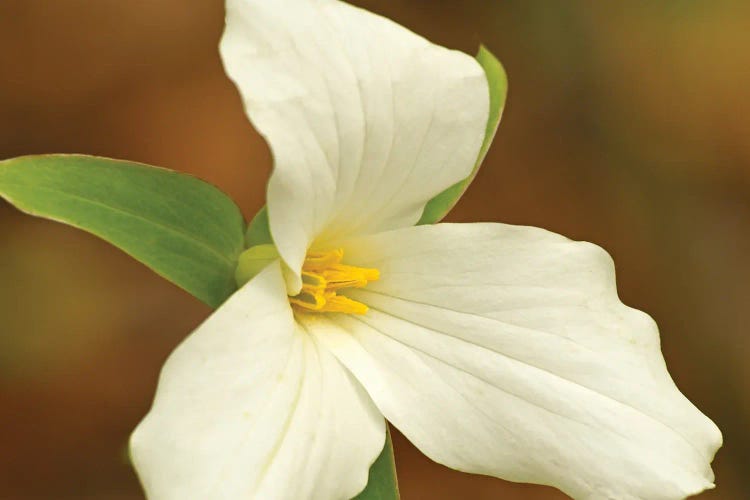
[[505, 351], [250, 407], [366, 120]]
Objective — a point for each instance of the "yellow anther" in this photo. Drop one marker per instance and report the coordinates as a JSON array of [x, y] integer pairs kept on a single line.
[[322, 275], [308, 301], [339, 303], [318, 261], [341, 276], [312, 282]]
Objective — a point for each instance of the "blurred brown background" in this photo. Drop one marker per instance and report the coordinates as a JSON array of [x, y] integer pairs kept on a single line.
[[627, 124]]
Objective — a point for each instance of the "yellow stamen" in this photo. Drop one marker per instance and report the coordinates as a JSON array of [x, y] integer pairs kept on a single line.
[[322, 275]]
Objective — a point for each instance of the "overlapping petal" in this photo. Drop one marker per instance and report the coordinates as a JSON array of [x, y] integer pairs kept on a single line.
[[505, 351], [249, 406], [367, 121]]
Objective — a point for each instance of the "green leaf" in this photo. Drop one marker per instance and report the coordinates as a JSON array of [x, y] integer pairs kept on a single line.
[[440, 205], [382, 483], [186, 230]]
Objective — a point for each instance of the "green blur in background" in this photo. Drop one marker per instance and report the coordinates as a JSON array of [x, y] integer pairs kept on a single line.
[[627, 124]]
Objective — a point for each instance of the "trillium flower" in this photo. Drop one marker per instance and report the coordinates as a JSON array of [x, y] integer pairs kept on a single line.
[[496, 349]]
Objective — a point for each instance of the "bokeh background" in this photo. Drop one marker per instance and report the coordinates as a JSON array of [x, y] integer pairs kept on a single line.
[[627, 124]]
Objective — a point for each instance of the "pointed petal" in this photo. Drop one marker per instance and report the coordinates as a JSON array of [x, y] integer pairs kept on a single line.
[[366, 120], [249, 406], [505, 351]]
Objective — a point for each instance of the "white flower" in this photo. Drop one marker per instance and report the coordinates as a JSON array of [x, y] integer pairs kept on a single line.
[[495, 349]]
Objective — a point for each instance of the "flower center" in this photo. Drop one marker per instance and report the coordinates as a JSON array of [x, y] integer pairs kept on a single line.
[[323, 275]]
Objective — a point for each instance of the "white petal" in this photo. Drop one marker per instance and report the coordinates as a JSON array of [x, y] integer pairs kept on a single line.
[[366, 120], [249, 406], [505, 351]]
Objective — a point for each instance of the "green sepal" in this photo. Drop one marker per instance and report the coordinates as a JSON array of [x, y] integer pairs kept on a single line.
[[440, 205], [260, 248], [252, 261], [382, 483], [259, 230], [184, 229]]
